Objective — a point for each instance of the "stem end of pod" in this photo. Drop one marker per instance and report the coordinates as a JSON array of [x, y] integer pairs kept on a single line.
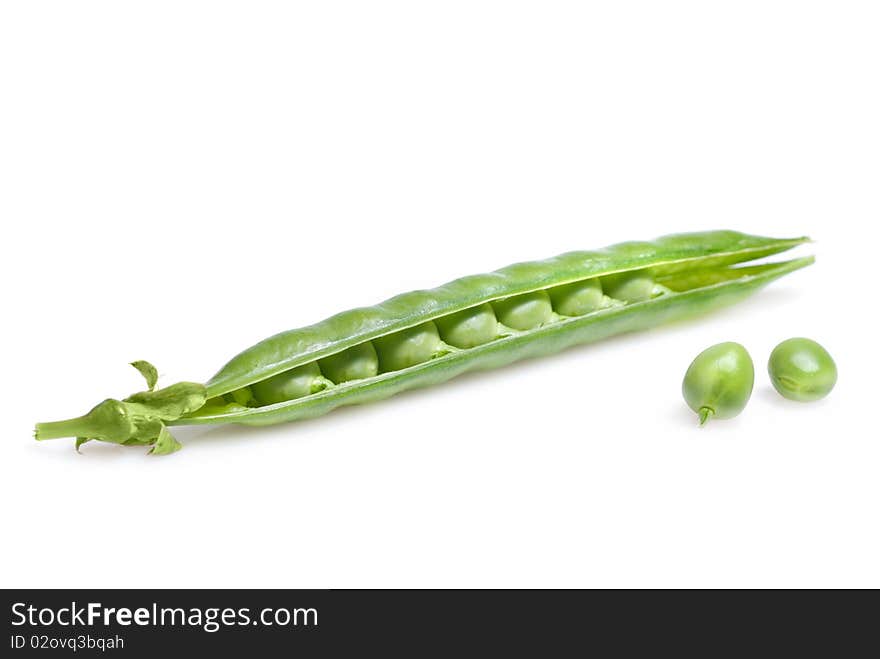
[[109, 420], [139, 420]]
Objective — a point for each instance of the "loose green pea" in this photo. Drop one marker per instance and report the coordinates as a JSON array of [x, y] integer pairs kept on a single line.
[[578, 298], [526, 311], [801, 369], [408, 347], [630, 287], [719, 382], [469, 328], [356, 363], [295, 383]]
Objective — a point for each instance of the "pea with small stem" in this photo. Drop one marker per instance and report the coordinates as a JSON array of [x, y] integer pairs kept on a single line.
[[719, 382]]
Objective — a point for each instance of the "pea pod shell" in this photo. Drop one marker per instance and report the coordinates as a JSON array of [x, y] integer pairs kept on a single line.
[[665, 257], [544, 340]]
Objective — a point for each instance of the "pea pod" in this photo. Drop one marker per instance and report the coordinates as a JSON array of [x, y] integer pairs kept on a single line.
[[426, 337]]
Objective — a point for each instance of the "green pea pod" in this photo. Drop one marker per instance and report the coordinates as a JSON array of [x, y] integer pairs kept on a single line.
[[399, 346]]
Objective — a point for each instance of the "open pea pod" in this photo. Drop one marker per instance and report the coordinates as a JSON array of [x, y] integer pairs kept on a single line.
[[429, 336]]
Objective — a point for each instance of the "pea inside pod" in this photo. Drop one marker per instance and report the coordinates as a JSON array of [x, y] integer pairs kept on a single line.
[[578, 298], [356, 363], [719, 382], [409, 347], [470, 327], [289, 385], [243, 396], [632, 287], [524, 312]]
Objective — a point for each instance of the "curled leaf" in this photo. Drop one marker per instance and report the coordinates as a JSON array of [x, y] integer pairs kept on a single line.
[[165, 443], [169, 403], [146, 430], [80, 441], [151, 375]]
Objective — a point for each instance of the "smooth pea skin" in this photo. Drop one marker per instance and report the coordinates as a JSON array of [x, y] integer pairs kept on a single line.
[[356, 363], [719, 382], [578, 298], [524, 312], [630, 287], [295, 383], [801, 369], [470, 327], [408, 347]]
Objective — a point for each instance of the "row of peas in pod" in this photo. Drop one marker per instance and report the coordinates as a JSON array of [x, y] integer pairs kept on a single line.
[[461, 330]]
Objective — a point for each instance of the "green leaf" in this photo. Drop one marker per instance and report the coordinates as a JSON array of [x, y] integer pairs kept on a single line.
[[165, 443], [169, 403], [146, 430], [151, 375]]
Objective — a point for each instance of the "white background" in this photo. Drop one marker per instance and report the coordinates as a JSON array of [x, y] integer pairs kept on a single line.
[[179, 180]]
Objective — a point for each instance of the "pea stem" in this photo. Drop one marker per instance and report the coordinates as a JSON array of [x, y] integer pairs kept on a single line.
[[705, 414], [80, 426]]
